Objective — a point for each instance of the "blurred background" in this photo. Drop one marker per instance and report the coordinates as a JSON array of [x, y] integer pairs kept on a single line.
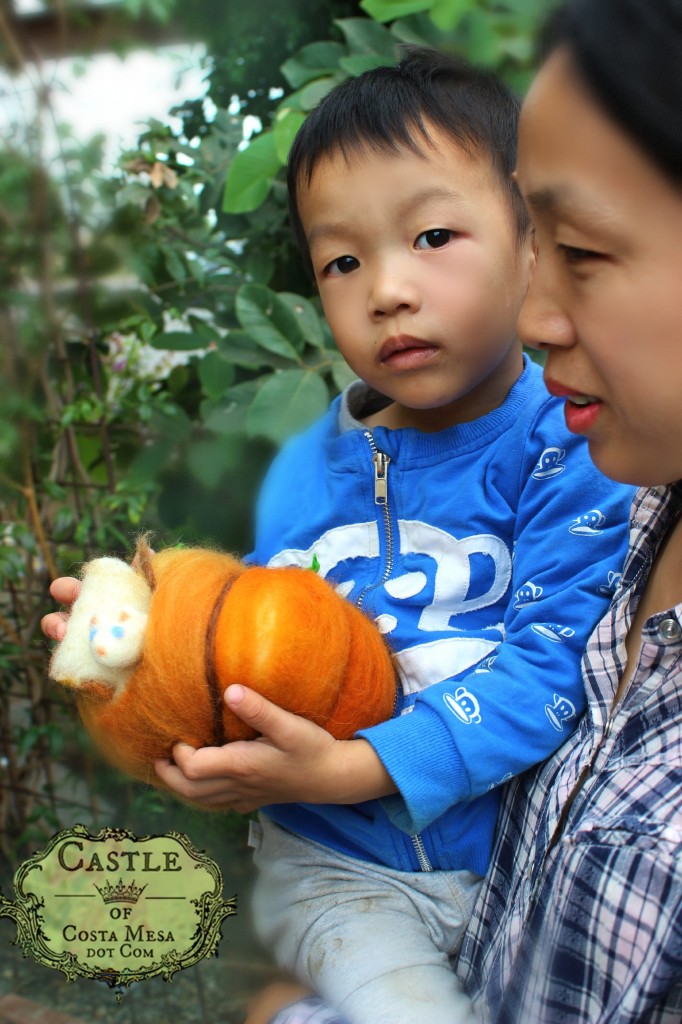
[[159, 339]]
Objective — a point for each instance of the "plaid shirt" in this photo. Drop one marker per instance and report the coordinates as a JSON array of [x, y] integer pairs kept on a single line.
[[580, 918]]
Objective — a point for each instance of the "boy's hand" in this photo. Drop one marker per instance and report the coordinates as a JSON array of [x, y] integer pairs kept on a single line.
[[65, 590], [292, 760]]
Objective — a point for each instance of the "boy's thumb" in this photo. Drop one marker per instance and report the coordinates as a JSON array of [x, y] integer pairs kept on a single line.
[[254, 709]]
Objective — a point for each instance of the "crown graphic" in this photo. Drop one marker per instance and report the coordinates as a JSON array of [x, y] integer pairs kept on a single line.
[[120, 893]]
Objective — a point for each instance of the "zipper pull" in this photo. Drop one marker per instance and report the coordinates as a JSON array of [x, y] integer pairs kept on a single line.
[[381, 462]]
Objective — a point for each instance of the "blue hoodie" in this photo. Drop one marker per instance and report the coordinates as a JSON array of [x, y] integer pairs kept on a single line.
[[485, 553]]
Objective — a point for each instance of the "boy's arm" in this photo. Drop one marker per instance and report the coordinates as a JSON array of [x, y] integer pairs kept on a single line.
[[466, 736], [293, 760]]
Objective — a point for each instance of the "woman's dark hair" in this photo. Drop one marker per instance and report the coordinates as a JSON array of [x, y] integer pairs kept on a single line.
[[629, 54], [392, 108]]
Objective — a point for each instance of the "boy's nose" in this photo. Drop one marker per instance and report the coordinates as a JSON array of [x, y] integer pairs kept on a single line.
[[543, 321], [393, 291]]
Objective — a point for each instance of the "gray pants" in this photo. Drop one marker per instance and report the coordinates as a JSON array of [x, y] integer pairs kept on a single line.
[[377, 944]]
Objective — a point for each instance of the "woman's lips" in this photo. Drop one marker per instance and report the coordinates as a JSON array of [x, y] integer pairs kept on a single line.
[[581, 410], [404, 351]]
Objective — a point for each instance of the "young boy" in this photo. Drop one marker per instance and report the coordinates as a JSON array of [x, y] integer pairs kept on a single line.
[[444, 495]]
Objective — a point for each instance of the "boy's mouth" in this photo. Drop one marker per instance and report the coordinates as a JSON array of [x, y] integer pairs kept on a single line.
[[403, 349]]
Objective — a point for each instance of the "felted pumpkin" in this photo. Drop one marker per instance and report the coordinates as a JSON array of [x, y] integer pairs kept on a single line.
[[150, 649]]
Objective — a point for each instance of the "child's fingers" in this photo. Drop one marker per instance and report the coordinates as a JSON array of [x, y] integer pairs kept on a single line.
[[190, 773], [205, 787], [281, 727], [65, 589], [54, 625]]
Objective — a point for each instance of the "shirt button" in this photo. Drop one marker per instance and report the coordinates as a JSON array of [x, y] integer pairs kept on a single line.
[[669, 629]]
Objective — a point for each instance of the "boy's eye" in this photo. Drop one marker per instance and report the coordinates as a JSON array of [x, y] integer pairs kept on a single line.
[[433, 239], [342, 265]]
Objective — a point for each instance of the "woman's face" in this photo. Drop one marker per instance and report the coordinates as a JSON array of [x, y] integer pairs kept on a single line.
[[605, 300]]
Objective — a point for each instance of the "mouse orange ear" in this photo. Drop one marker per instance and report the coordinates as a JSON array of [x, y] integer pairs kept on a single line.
[[142, 561]]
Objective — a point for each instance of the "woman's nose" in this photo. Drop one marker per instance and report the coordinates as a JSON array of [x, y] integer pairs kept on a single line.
[[544, 321]]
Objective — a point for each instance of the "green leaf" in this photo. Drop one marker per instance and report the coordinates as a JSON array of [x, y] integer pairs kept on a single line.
[[206, 461], [388, 10], [311, 94], [312, 61], [530, 10], [175, 266], [239, 348], [365, 36], [259, 264], [250, 175], [173, 423], [178, 341], [229, 416], [342, 375], [447, 14], [133, 194], [309, 321], [151, 460], [216, 375], [287, 403], [269, 321], [518, 47], [287, 123], [484, 43]]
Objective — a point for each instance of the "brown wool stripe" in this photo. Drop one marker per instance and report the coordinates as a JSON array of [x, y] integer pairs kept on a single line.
[[212, 680]]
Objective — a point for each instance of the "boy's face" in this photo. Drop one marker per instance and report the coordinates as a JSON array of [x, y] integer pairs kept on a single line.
[[421, 278]]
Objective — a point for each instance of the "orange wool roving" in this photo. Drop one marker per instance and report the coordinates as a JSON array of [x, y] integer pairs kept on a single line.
[[151, 650]]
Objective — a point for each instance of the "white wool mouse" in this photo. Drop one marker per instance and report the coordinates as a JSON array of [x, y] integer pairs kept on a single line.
[[105, 633]]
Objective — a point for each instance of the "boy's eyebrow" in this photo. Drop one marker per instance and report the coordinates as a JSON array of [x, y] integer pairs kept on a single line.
[[333, 229]]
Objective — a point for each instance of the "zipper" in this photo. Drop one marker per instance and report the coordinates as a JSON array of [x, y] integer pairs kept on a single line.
[[422, 857], [381, 462]]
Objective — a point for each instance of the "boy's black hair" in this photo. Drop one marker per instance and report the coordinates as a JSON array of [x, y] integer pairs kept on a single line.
[[629, 55], [391, 108]]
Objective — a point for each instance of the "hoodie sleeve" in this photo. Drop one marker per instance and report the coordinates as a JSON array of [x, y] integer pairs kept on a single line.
[[467, 735]]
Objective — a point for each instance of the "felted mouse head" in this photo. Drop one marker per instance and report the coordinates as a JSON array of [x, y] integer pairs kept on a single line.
[[151, 648]]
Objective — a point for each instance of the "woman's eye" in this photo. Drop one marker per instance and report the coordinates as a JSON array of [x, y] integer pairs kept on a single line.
[[342, 265], [574, 254], [434, 239]]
